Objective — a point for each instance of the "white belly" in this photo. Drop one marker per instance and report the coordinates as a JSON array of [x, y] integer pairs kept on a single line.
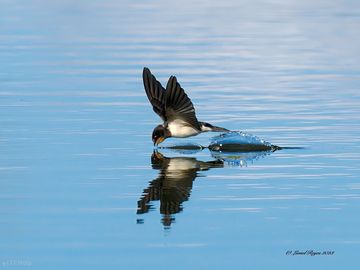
[[181, 165], [181, 129]]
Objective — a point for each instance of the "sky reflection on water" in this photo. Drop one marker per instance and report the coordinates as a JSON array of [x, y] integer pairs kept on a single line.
[[75, 137]]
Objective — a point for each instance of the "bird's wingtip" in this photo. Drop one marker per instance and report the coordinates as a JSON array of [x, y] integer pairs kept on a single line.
[[146, 73], [146, 70], [171, 82]]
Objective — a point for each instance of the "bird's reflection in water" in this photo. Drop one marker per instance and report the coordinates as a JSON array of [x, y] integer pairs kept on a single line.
[[173, 185], [176, 175]]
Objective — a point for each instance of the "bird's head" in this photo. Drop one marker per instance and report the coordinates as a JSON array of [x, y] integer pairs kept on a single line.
[[159, 134]]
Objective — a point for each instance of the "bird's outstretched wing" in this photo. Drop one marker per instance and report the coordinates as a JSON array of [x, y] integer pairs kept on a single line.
[[178, 105], [170, 104], [155, 93]]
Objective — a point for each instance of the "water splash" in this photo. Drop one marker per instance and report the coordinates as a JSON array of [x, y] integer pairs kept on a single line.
[[187, 148], [239, 159], [237, 141]]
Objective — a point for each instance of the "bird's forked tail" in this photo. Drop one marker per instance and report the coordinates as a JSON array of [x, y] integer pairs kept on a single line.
[[208, 127]]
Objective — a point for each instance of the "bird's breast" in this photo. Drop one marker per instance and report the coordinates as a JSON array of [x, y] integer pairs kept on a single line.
[[181, 129]]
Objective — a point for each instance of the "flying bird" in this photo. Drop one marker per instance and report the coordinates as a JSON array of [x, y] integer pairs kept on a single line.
[[175, 109]]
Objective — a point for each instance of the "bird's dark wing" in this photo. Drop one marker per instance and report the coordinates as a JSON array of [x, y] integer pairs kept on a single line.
[[155, 93], [178, 105]]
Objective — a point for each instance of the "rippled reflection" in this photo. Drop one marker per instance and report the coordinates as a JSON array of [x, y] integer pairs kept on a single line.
[[173, 185]]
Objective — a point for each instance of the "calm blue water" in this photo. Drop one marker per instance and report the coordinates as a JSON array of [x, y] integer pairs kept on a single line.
[[79, 185]]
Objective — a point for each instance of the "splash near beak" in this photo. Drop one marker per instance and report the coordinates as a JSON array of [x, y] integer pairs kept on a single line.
[[159, 140]]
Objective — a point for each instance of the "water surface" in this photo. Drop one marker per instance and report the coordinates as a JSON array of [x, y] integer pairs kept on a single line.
[[80, 186]]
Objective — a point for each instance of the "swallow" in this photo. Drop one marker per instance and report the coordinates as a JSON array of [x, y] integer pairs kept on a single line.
[[175, 108]]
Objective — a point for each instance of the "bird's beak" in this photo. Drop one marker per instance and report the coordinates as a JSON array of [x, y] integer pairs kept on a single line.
[[159, 140], [157, 155]]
